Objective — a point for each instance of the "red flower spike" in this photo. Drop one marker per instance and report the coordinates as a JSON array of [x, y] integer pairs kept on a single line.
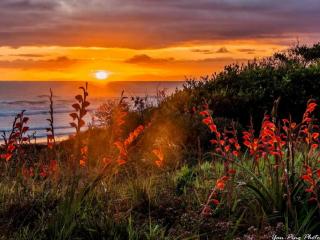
[[314, 146], [121, 162], [204, 113], [315, 135], [235, 153], [232, 171], [82, 163], [215, 201]]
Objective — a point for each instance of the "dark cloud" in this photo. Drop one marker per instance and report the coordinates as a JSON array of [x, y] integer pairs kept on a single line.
[[247, 50], [27, 55], [203, 51], [52, 64], [143, 58], [222, 50], [153, 23], [250, 50], [221, 60], [23, 5]]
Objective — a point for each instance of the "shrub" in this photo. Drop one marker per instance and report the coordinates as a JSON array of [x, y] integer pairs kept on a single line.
[[249, 90]]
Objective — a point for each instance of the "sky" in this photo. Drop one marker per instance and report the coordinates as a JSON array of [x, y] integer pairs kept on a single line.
[[146, 39]]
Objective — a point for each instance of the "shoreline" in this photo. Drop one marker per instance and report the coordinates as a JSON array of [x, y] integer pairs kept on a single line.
[[43, 140]]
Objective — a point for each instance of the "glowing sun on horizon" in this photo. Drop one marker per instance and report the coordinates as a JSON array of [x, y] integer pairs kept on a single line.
[[101, 75]]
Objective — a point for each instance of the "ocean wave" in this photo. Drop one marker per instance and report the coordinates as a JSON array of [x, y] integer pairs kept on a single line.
[[42, 137], [46, 96], [32, 112], [43, 96], [62, 134], [25, 102], [36, 102], [56, 128], [64, 100], [13, 113]]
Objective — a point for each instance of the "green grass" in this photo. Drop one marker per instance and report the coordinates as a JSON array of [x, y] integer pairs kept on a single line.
[[158, 205]]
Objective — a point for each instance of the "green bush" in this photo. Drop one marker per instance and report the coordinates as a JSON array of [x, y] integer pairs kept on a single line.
[[249, 90]]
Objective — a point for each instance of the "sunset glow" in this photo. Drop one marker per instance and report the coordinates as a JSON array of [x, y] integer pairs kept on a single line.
[[76, 37], [169, 63], [159, 119], [101, 75]]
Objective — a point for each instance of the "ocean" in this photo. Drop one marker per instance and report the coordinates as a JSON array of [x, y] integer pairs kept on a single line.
[[33, 97]]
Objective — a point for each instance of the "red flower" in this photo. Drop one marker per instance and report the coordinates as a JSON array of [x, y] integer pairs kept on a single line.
[[315, 135], [206, 211], [232, 171], [221, 182], [31, 172], [213, 141], [25, 172], [43, 172], [213, 128], [215, 201], [235, 153], [121, 162], [227, 148], [82, 163], [133, 135], [11, 148], [207, 121], [204, 113], [84, 150], [53, 166], [7, 156], [309, 190], [307, 178], [220, 185], [159, 154]]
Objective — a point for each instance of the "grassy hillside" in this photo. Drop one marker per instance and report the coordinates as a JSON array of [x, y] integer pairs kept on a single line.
[[219, 159]]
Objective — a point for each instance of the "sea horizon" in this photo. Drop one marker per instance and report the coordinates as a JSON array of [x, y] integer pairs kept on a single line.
[[32, 96]]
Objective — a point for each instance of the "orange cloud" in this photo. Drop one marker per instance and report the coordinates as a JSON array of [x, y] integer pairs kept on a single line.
[[145, 39], [80, 63]]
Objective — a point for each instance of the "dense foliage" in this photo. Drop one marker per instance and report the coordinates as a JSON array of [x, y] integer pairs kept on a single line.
[[191, 167], [249, 90]]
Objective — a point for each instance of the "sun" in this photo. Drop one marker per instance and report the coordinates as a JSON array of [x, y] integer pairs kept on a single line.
[[101, 75]]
